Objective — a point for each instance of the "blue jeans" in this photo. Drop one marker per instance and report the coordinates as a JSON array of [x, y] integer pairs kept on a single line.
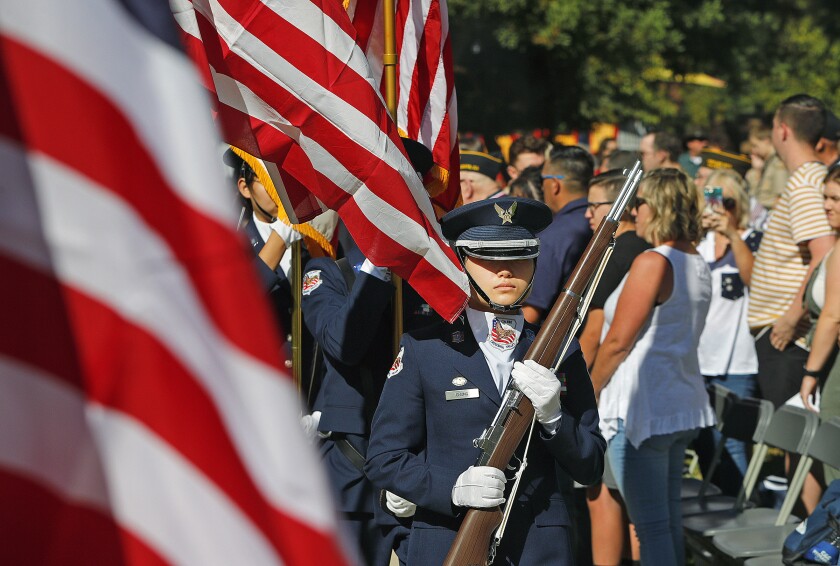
[[744, 385], [649, 478]]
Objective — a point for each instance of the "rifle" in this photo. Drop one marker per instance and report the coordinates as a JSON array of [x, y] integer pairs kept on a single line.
[[473, 545]]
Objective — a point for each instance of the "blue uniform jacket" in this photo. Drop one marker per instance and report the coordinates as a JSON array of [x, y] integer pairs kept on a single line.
[[274, 282], [355, 337], [271, 279], [357, 344], [279, 291], [561, 245], [420, 443], [353, 326]]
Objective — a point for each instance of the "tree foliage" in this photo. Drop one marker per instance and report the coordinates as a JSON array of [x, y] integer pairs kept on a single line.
[[608, 60]]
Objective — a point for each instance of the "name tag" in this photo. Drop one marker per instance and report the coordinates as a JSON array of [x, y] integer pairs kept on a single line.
[[461, 394]]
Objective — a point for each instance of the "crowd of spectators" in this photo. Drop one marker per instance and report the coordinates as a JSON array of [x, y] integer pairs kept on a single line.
[[723, 273]]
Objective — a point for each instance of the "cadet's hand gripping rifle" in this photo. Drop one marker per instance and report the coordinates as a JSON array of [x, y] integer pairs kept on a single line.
[[472, 545]]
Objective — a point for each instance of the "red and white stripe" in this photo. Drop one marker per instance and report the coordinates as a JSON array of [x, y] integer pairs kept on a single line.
[[144, 415], [426, 102], [291, 70]]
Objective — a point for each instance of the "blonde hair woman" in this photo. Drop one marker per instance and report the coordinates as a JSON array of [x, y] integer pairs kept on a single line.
[[727, 349], [653, 400]]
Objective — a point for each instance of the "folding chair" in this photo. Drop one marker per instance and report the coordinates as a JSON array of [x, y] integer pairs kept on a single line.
[[771, 560], [791, 429], [722, 400], [747, 420], [769, 540]]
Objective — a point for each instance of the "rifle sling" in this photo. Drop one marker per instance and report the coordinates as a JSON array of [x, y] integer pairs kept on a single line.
[[351, 453]]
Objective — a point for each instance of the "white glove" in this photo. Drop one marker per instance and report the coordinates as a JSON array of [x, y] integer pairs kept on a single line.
[[399, 506], [286, 232], [542, 387], [382, 273], [481, 487], [309, 423]]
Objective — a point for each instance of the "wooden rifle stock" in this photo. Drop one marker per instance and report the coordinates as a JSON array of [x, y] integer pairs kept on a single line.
[[472, 543]]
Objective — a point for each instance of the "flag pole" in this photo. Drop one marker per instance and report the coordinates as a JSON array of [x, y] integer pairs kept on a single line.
[[297, 318], [389, 58]]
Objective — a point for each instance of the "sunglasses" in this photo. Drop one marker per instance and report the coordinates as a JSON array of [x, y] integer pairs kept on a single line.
[[638, 201], [729, 203]]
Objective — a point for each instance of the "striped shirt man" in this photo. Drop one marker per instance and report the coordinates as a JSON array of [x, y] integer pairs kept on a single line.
[[783, 258]]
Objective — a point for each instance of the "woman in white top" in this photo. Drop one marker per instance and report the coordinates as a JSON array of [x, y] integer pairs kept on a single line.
[[652, 397], [727, 349], [822, 297]]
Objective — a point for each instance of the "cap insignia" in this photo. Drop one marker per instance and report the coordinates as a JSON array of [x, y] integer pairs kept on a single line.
[[506, 215]]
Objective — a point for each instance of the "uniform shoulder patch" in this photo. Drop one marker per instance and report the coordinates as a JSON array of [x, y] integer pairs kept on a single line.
[[311, 281], [398, 364]]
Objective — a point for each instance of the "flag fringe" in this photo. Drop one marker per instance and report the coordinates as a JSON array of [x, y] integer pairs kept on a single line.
[[316, 243], [438, 180]]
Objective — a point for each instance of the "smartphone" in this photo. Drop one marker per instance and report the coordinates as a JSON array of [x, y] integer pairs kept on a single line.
[[714, 198]]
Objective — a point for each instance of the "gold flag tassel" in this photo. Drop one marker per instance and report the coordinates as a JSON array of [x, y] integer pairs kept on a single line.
[[317, 244]]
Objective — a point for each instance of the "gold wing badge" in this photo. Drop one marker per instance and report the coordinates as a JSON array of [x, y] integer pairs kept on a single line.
[[506, 215]]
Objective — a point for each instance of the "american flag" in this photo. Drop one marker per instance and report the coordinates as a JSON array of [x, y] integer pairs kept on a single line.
[[144, 415], [294, 88], [426, 102]]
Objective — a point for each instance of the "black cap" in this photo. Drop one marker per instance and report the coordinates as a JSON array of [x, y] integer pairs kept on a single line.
[[498, 228], [832, 126], [232, 160], [480, 162], [695, 135], [419, 155], [719, 159]]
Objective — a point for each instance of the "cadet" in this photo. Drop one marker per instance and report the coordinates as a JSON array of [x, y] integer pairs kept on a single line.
[[271, 238], [346, 306], [344, 311], [445, 388]]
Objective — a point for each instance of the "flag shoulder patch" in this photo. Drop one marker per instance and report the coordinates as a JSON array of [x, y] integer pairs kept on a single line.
[[311, 281], [398, 364]]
